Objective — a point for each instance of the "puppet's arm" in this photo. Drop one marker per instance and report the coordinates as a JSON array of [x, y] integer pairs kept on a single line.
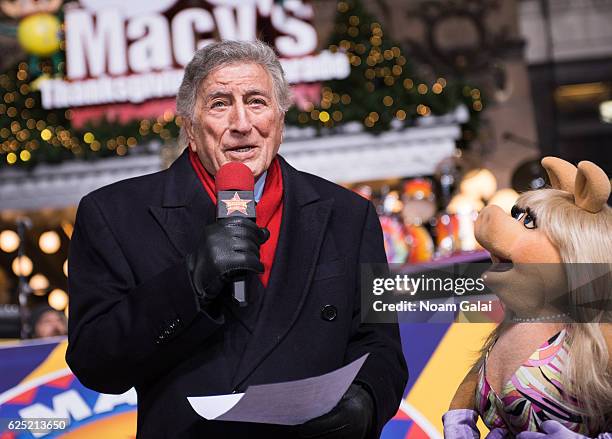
[[466, 392], [460, 419]]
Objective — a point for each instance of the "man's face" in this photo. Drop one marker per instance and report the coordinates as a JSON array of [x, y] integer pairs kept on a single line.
[[236, 119]]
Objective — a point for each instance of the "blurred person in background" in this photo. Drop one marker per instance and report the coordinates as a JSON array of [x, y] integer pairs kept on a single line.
[[47, 322]]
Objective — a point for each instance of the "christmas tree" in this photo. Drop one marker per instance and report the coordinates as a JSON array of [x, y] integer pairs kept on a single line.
[[382, 84], [30, 134]]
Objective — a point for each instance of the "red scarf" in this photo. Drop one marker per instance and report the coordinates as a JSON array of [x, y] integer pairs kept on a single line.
[[269, 209]]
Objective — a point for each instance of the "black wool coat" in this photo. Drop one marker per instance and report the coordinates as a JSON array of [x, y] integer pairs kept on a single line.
[[135, 321]]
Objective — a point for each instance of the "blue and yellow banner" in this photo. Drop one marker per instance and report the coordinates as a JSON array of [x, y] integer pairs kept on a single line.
[[36, 383]]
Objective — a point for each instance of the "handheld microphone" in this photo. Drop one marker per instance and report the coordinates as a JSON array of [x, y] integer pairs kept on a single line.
[[235, 186]]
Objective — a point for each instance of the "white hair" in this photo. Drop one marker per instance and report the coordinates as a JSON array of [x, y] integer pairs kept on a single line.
[[222, 53]]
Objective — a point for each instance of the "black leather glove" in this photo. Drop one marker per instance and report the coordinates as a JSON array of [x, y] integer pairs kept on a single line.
[[228, 249], [350, 419]]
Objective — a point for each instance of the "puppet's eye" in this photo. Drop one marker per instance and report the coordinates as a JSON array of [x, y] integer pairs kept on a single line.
[[530, 221], [517, 212]]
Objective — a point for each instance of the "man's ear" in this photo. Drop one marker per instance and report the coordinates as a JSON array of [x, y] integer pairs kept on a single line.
[[592, 187], [190, 134], [282, 128], [562, 174]]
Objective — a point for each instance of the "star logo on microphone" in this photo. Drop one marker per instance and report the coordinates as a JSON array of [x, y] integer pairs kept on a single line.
[[236, 204]]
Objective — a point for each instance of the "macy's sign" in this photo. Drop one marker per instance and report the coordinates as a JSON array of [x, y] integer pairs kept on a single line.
[[132, 51]]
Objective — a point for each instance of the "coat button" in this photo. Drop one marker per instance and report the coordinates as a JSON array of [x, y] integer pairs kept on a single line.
[[329, 312]]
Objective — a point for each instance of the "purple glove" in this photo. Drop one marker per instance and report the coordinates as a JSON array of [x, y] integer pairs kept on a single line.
[[497, 433], [555, 430], [460, 424]]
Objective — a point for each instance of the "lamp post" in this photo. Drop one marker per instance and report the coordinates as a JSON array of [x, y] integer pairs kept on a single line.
[[23, 288]]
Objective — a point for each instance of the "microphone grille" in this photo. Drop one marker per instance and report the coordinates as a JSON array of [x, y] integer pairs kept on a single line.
[[234, 176]]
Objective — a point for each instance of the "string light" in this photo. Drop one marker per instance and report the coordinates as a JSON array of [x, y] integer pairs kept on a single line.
[[9, 241], [88, 137], [22, 266], [423, 110], [168, 116], [39, 283], [49, 242], [58, 299]]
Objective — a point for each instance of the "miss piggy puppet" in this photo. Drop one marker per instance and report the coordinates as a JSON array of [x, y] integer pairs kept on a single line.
[[546, 371]]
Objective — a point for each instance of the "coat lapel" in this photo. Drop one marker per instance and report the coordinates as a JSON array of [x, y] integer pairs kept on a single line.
[[305, 217], [185, 209]]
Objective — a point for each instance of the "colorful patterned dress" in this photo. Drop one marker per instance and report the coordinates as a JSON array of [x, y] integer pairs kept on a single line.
[[534, 394]]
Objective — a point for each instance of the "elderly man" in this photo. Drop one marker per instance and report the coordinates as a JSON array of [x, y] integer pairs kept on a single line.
[[150, 268]]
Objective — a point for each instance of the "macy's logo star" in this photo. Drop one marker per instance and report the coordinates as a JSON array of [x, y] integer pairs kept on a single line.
[[236, 204]]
